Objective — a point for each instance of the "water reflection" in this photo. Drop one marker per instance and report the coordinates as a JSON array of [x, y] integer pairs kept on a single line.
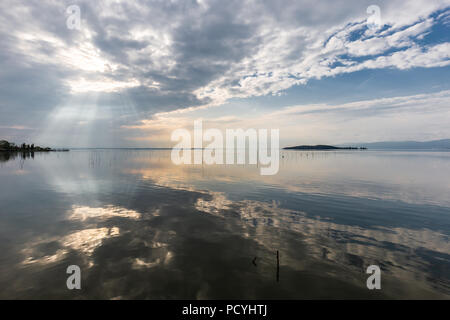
[[84, 241], [346, 246], [23, 155], [140, 227], [83, 212]]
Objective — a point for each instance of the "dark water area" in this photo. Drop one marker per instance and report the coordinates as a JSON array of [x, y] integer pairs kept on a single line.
[[140, 227]]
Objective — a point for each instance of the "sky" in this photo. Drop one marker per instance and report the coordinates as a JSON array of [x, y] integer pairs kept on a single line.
[[131, 72]]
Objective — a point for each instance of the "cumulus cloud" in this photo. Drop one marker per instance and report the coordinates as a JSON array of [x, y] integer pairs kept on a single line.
[[170, 55]]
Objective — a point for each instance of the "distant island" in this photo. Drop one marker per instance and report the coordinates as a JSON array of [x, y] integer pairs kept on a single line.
[[6, 146], [323, 147]]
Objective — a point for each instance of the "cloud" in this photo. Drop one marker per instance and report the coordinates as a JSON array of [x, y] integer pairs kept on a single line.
[[439, 101], [419, 117], [172, 55], [378, 44]]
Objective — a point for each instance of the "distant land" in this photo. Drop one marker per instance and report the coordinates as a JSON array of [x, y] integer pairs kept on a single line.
[[322, 147], [443, 144], [409, 145], [6, 146]]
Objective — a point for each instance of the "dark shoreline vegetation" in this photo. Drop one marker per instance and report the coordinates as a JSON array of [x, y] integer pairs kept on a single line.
[[6, 146], [323, 147], [9, 150]]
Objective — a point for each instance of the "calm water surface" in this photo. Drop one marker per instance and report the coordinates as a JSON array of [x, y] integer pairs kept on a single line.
[[140, 227]]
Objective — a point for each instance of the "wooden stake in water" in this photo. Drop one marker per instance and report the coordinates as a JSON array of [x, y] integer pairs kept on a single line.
[[278, 266]]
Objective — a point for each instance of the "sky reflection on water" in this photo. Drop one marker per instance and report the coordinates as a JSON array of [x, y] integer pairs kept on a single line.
[[141, 227]]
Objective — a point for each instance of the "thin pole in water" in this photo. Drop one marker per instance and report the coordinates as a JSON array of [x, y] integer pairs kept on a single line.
[[278, 266]]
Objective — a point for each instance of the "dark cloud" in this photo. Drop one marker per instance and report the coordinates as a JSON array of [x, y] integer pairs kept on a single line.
[[144, 99], [28, 89]]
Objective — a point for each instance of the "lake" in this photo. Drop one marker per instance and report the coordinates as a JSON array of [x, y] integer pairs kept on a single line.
[[140, 227]]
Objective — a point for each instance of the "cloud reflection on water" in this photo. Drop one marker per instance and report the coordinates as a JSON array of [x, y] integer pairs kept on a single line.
[[141, 227]]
